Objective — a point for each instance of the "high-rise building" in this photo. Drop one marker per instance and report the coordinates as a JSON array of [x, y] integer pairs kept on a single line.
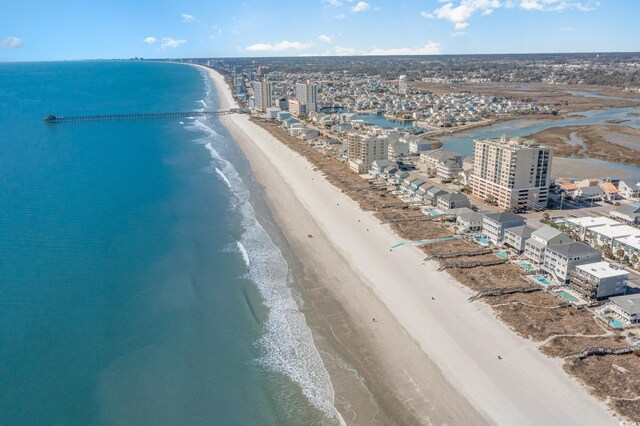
[[403, 85], [511, 173], [307, 94], [363, 149], [262, 92]]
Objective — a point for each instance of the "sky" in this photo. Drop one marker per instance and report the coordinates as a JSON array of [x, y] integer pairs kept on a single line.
[[32, 30]]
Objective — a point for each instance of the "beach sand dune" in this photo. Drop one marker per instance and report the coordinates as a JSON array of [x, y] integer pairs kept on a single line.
[[431, 357]]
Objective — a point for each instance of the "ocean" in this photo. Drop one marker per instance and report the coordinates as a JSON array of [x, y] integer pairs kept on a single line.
[[138, 284]]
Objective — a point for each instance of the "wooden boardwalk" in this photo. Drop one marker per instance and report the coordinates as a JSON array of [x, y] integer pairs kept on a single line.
[[52, 119]]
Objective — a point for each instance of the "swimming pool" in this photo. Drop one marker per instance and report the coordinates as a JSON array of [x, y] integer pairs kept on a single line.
[[566, 296], [502, 254], [614, 323], [434, 212], [542, 280], [526, 266], [482, 240]]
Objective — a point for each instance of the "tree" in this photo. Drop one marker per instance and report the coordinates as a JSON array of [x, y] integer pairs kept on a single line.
[[620, 253]]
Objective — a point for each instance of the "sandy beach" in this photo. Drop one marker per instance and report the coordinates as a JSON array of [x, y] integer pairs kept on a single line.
[[430, 356]]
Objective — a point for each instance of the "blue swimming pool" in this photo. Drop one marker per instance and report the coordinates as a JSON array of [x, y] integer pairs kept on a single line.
[[542, 280], [434, 212], [614, 323], [482, 240], [526, 266], [502, 254]]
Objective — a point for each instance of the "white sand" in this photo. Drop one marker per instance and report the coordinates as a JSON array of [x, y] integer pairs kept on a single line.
[[458, 339]]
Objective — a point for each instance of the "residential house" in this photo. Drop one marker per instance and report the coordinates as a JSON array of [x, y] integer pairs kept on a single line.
[[629, 188], [470, 221], [382, 168], [560, 260], [494, 225], [442, 163], [589, 193], [517, 236], [431, 194], [609, 191], [452, 200], [599, 280], [627, 213], [541, 239], [625, 307]]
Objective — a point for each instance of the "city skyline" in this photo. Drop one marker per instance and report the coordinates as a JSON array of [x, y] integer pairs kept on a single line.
[[31, 31]]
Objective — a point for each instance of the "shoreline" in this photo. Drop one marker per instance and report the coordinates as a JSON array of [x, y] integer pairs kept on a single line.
[[452, 343]]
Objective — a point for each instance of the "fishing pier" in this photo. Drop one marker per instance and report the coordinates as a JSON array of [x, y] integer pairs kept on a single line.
[[53, 119]]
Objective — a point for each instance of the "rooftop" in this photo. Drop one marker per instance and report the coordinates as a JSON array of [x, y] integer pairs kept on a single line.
[[515, 143], [523, 231], [502, 217], [630, 303], [546, 233], [602, 270], [573, 249]]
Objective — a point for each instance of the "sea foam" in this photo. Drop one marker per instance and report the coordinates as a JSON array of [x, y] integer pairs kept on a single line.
[[287, 343]]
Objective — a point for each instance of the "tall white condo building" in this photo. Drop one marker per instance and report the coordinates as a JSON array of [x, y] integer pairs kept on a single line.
[[512, 173], [263, 94]]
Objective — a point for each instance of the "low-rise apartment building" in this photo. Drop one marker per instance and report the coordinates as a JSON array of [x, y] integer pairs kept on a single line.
[[599, 280]]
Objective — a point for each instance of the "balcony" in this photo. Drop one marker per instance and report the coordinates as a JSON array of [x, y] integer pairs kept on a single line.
[[584, 284]]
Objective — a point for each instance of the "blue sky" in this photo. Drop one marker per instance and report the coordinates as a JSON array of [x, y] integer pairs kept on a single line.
[[74, 29]]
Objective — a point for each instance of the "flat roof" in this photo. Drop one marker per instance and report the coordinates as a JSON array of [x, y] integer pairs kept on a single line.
[[602, 270], [589, 221]]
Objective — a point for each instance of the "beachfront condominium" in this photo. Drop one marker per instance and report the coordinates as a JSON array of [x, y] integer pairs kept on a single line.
[[403, 85], [307, 95], [263, 95], [363, 149], [512, 173]]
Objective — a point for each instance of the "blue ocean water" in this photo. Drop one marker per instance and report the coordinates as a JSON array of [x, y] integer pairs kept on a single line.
[[136, 285]]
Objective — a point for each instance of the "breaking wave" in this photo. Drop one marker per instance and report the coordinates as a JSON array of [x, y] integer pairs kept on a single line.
[[287, 343]]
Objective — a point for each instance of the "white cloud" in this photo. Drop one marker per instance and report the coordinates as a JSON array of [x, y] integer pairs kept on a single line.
[[324, 38], [361, 6], [150, 40], [341, 16], [430, 48], [188, 18], [334, 3], [458, 12], [171, 43], [278, 47], [11, 43], [458, 34], [557, 5]]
